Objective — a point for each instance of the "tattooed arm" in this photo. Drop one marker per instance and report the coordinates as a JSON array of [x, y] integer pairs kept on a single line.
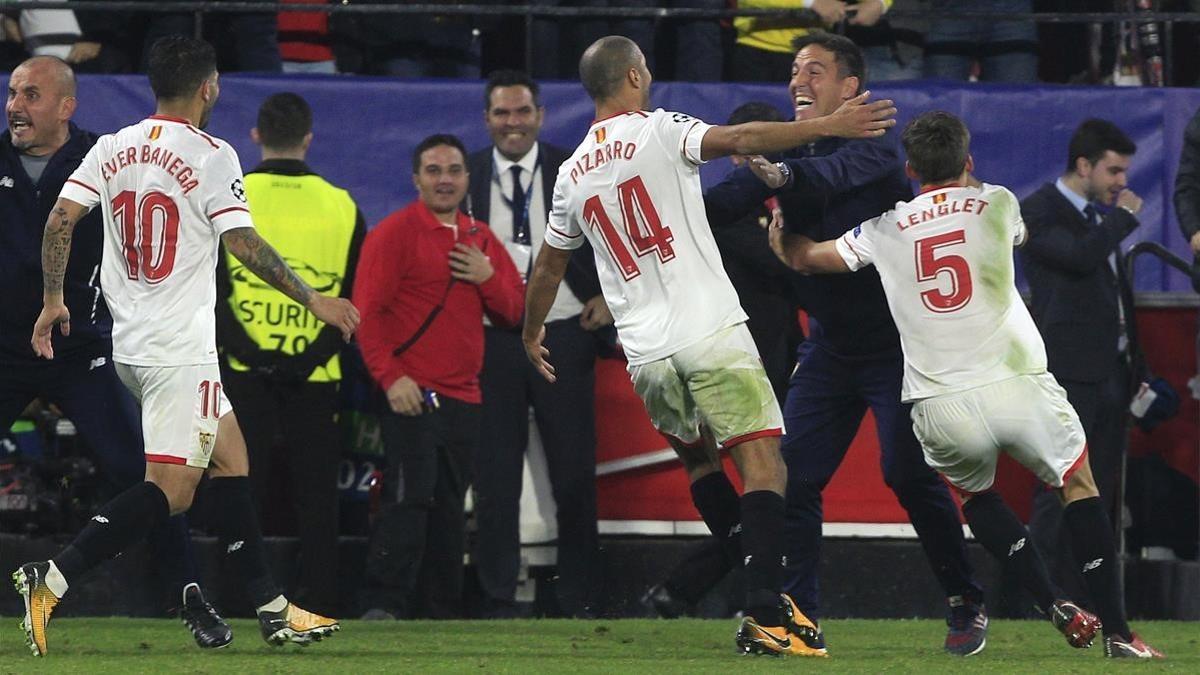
[[56, 251], [257, 255]]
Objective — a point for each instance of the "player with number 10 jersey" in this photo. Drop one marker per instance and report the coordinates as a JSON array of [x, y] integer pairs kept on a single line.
[[168, 192]]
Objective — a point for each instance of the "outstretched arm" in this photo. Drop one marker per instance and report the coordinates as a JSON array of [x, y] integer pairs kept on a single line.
[[56, 251], [805, 255], [259, 257], [548, 271], [854, 119]]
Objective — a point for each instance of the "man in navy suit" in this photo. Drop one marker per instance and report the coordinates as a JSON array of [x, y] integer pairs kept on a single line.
[[511, 187], [1083, 307]]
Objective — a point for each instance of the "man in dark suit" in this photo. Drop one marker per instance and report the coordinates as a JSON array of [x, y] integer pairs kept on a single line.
[[1083, 306], [511, 189]]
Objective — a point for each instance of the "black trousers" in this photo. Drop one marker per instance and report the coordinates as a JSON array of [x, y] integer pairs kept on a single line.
[[86, 387], [415, 559], [564, 412], [303, 415], [1103, 409]]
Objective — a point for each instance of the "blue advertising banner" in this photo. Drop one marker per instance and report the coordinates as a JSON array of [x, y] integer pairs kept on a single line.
[[365, 130]]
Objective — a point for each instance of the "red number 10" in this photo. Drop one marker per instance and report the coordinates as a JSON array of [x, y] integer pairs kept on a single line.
[[210, 399], [641, 223], [138, 230]]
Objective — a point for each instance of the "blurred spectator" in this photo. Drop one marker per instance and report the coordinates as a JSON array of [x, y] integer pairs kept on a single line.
[[1187, 185], [1005, 51], [428, 275], [698, 56], [410, 45], [1083, 306], [513, 181], [247, 41], [559, 42], [763, 51], [305, 43], [281, 367], [89, 40], [893, 47]]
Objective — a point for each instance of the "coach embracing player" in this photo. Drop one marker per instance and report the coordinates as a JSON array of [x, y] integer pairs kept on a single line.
[[852, 359]]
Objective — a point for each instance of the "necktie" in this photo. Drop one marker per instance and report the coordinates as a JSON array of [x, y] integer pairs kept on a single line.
[[520, 211], [1093, 218]]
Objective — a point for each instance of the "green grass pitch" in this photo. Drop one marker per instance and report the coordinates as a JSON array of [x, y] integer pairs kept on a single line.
[[643, 647]]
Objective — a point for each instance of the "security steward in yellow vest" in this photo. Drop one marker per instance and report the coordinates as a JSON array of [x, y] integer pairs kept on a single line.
[[281, 367]]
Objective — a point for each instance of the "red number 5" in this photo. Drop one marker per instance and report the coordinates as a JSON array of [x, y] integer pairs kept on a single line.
[[154, 216], [933, 264]]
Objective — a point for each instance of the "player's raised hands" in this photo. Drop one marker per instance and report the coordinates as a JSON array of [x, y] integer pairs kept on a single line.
[[43, 328], [337, 312], [858, 118], [538, 354]]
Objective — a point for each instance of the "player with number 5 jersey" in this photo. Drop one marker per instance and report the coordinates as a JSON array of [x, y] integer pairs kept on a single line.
[[975, 369], [632, 188]]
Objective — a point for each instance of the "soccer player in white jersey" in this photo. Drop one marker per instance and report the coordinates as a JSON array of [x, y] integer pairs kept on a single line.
[[975, 367], [170, 194], [633, 189]]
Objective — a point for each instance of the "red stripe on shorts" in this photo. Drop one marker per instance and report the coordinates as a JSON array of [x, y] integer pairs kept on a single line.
[[1075, 465], [765, 433], [165, 459]]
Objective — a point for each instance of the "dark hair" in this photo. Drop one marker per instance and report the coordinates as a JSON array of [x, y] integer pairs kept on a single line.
[[604, 64], [937, 144], [755, 111], [434, 141], [1095, 137], [509, 78], [179, 65], [284, 119], [846, 54]]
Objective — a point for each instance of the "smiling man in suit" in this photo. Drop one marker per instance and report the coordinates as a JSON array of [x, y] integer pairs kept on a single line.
[[511, 188], [1083, 306]]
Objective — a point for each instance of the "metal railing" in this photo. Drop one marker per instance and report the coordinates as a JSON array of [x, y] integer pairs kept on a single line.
[[657, 14]]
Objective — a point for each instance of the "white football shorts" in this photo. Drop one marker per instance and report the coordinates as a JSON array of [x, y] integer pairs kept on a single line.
[[718, 382], [1027, 416], [181, 406]]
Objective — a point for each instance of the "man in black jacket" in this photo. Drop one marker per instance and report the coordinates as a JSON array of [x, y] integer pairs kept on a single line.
[[1187, 185], [511, 189], [1083, 306], [38, 152]]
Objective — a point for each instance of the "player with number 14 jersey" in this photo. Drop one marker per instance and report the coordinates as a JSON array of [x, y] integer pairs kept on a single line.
[[650, 225]]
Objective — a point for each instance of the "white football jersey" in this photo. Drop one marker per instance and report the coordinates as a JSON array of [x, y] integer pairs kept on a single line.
[[168, 191], [632, 187], [946, 263]]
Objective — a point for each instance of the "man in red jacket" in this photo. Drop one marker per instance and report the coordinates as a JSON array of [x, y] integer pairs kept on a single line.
[[428, 275]]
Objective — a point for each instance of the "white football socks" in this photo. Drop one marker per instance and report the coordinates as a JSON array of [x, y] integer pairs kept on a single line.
[[277, 605], [55, 581]]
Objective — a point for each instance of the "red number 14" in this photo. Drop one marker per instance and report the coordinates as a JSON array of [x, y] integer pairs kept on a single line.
[[641, 223]]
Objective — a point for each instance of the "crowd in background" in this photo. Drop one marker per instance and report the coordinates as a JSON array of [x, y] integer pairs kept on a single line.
[[899, 38]]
